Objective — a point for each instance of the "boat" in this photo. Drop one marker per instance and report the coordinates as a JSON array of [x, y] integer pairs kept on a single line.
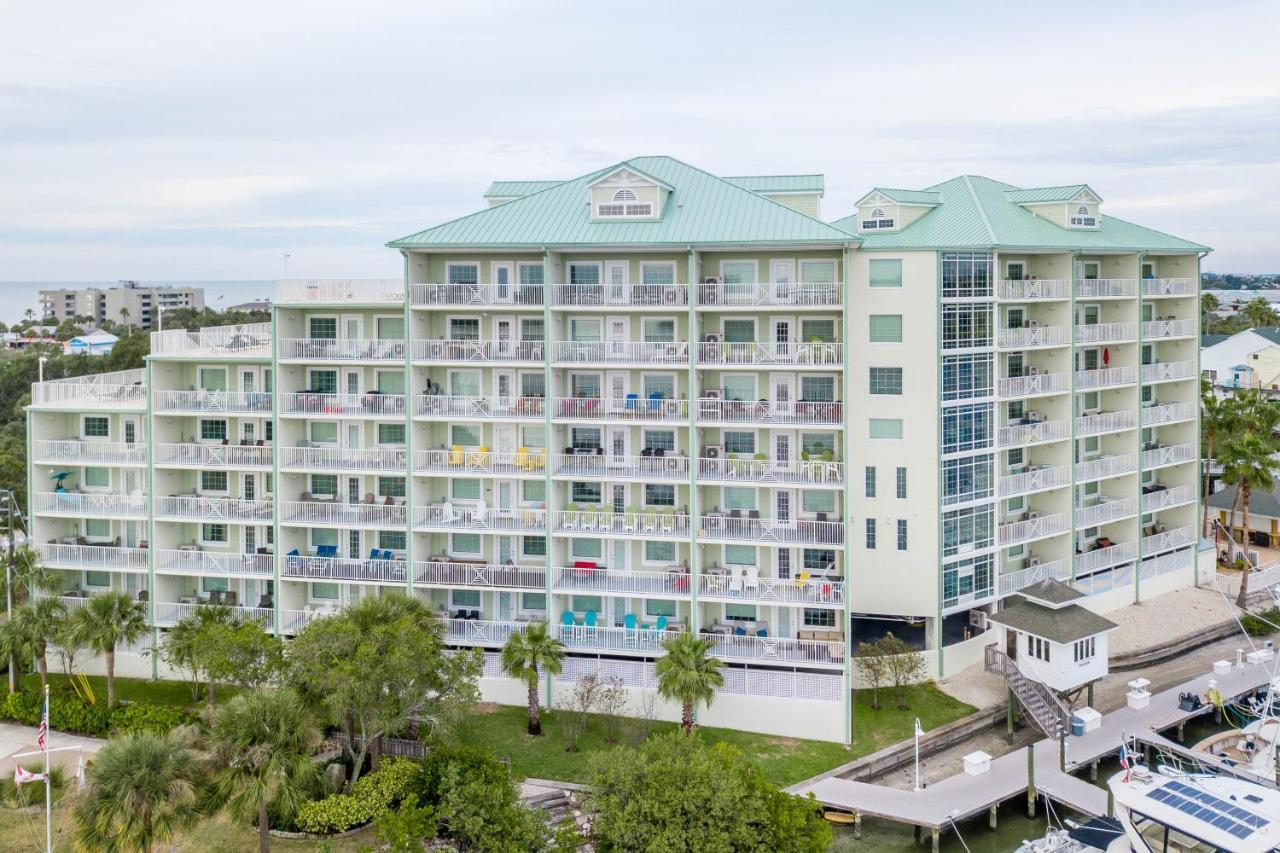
[[1100, 835], [839, 818], [1253, 746]]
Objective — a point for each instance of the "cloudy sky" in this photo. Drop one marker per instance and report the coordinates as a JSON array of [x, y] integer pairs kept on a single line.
[[169, 140]]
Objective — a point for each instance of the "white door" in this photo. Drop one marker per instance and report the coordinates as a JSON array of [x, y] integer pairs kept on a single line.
[[505, 494], [616, 389], [783, 338], [618, 445], [249, 490], [129, 428], [351, 382], [621, 552], [506, 549], [351, 435], [504, 335], [783, 458], [784, 507], [353, 490], [618, 498], [782, 275], [615, 277], [502, 274], [352, 326], [504, 386], [504, 438], [784, 392], [617, 337], [248, 380]]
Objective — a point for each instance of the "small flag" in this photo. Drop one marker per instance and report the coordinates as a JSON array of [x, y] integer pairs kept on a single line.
[[22, 777], [42, 731], [1124, 761]]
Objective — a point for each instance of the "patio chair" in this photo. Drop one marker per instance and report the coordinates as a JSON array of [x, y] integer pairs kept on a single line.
[[373, 553], [480, 515], [739, 631], [630, 631], [388, 555], [368, 498], [449, 514], [570, 517], [668, 522], [215, 596], [589, 620], [736, 581], [294, 553], [589, 520], [522, 459], [455, 455], [567, 620], [753, 579], [761, 632], [660, 626], [264, 601], [229, 598]]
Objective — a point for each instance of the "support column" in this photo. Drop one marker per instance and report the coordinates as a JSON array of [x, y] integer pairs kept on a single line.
[[410, 492], [846, 495], [692, 271], [857, 826], [547, 400], [936, 837], [1031, 781], [150, 444], [1011, 711], [992, 820]]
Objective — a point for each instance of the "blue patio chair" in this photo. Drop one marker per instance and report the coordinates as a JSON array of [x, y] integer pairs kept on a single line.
[[661, 624], [294, 553], [373, 554], [629, 621], [567, 618], [630, 628], [740, 631], [761, 632], [388, 555], [633, 400], [589, 619], [655, 401]]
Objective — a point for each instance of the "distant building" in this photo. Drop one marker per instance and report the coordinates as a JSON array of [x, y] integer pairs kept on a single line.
[[1230, 363], [142, 303], [255, 305], [97, 343]]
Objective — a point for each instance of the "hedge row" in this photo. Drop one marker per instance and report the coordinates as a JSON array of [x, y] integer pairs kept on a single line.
[[70, 714], [369, 798]]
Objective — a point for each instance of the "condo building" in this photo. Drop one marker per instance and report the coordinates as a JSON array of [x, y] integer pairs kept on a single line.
[[651, 399], [130, 304]]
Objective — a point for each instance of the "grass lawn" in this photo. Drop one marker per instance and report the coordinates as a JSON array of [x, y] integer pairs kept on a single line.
[[174, 693]]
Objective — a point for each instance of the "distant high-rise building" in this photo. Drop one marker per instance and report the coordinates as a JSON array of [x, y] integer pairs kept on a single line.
[[130, 303]]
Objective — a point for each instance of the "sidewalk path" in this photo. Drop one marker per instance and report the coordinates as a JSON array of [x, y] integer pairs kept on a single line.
[[16, 739]]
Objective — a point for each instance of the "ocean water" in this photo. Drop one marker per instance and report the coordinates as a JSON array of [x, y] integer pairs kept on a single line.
[[17, 296]]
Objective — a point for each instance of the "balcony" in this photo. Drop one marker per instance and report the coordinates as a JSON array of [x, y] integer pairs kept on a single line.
[[1058, 570], [90, 505], [651, 523], [1169, 413], [77, 452], [830, 354], [629, 408], [1179, 537], [1035, 290], [252, 340], [1033, 480], [1107, 288], [392, 459], [1170, 328], [439, 407], [1033, 526], [1103, 422], [1156, 287], [478, 575], [814, 592], [1168, 371], [812, 472], [170, 613], [342, 350], [727, 647], [1106, 466], [214, 563], [478, 351], [201, 508], [737, 527], [1106, 377], [1158, 496], [371, 404], [1040, 432], [673, 583], [1034, 385], [332, 513], [476, 295], [620, 295], [370, 291], [591, 466], [460, 461], [1172, 454], [1105, 510], [1033, 337], [478, 518], [621, 352], [765, 295], [104, 558], [212, 402], [213, 456], [122, 389], [304, 568], [711, 410], [1106, 333]]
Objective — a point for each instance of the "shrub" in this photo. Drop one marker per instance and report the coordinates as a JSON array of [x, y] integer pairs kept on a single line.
[[66, 713], [145, 717], [1256, 627], [478, 804], [369, 798], [403, 830]]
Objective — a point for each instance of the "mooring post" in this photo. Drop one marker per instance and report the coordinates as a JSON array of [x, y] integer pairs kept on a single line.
[[1090, 694], [857, 825], [1011, 710], [1031, 782], [918, 833], [1182, 728], [991, 816], [1093, 771], [1062, 749], [937, 838], [1111, 803]]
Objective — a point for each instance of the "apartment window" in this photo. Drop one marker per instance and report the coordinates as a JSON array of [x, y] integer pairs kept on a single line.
[[660, 439], [213, 481], [966, 274], [530, 274], [902, 483], [967, 479], [739, 442], [390, 434], [464, 543], [815, 618], [1015, 270], [585, 385], [1083, 650], [966, 427], [96, 426], [818, 272], [322, 381], [97, 528], [324, 484], [212, 532], [738, 498], [533, 546], [585, 493], [738, 272], [213, 585], [902, 534], [586, 329], [213, 430], [391, 487], [740, 612], [659, 495], [739, 387], [739, 331], [584, 274], [591, 549], [869, 477], [464, 328], [532, 329], [658, 273], [817, 559], [533, 385], [659, 331], [883, 428], [966, 326], [818, 501], [877, 220], [464, 383], [534, 491], [391, 540], [740, 555], [464, 490], [821, 331], [389, 328], [322, 537], [99, 478], [462, 273], [817, 444], [661, 386], [625, 203], [886, 272], [870, 525], [390, 381], [533, 437], [585, 438], [886, 328], [659, 552], [468, 598], [967, 376], [973, 576], [324, 432], [659, 607], [1082, 219], [464, 436], [101, 580], [533, 602], [967, 529], [886, 380], [322, 328]]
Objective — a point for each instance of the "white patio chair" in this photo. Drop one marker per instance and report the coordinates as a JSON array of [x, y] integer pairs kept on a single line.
[[480, 515]]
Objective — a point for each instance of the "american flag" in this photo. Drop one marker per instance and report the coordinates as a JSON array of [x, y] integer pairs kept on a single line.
[[1124, 761], [44, 729]]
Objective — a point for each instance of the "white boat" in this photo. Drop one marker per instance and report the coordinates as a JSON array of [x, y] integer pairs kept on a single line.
[[1166, 810], [1255, 746], [1100, 835]]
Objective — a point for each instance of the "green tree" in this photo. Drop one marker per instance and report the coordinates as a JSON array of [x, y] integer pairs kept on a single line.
[[34, 626], [140, 790], [676, 793], [905, 664], [1218, 417], [104, 623], [30, 575], [873, 664], [478, 803], [1248, 464], [1259, 313], [525, 655], [186, 648], [261, 745], [688, 674], [1209, 304], [240, 651]]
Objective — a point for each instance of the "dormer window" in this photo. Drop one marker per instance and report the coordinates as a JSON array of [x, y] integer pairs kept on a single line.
[[1082, 219], [625, 204], [878, 220]]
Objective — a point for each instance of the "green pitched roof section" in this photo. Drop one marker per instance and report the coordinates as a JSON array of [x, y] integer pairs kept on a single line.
[[976, 213], [780, 183], [907, 196], [1042, 195], [702, 209], [517, 189]]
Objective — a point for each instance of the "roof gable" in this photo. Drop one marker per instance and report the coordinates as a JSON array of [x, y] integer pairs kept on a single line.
[[626, 175], [880, 195], [1044, 195]]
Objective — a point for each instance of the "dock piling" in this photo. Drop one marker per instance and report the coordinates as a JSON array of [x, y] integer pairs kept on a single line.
[[857, 826], [918, 833], [991, 816], [1182, 729], [1031, 782], [937, 838], [1093, 771]]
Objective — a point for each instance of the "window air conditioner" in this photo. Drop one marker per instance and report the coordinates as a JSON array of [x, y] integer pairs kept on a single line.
[[1033, 370], [1034, 561], [713, 279], [1034, 416], [713, 451], [714, 337], [978, 619], [1032, 516], [714, 394]]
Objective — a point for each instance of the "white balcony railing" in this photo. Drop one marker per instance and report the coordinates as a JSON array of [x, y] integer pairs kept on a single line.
[[1158, 457], [1106, 333], [341, 349], [1105, 422], [1167, 413], [1167, 371], [591, 466], [343, 514], [476, 460], [220, 564], [1018, 579], [1107, 288], [76, 452], [512, 295], [252, 339], [620, 295], [1169, 287], [631, 408], [1179, 537], [371, 404], [90, 504], [1168, 329], [1102, 558], [622, 352], [641, 583], [1013, 532], [1106, 466], [478, 575], [1107, 509], [727, 647], [199, 508], [170, 613], [813, 294], [1167, 497], [771, 471], [479, 351], [1030, 386], [601, 522], [344, 458], [477, 518], [120, 388], [818, 532], [299, 567], [770, 411], [812, 353], [1020, 435], [219, 402], [1034, 480], [1036, 289], [1031, 337], [369, 291], [813, 591], [213, 455], [93, 557], [440, 406]]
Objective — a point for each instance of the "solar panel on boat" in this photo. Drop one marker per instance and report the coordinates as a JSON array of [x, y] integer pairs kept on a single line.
[[1215, 811]]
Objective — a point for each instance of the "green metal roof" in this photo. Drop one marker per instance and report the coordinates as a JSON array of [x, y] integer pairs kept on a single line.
[[780, 183], [701, 209], [1047, 194], [516, 189], [906, 196], [976, 213]]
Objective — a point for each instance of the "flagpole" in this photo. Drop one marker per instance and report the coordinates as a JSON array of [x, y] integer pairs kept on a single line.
[[48, 790]]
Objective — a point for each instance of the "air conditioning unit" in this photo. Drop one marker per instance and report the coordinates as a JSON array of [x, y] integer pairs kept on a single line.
[[1034, 561], [1033, 370], [1035, 417], [1032, 516], [1088, 413], [713, 279], [714, 337], [978, 619], [713, 394], [713, 451]]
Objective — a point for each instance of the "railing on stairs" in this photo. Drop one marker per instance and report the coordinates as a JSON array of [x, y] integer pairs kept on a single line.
[[1041, 704]]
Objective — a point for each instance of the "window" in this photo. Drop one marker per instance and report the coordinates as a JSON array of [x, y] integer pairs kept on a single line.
[[324, 432], [881, 428], [464, 436], [817, 389], [462, 273], [738, 498], [102, 580], [391, 540], [584, 603], [536, 601], [322, 328], [213, 585], [585, 385], [659, 331], [469, 598], [658, 273], [1081, 650], [96, 426], [322, 381], [886, 328], [966, 274], [97, 528], [878, 220], [210, 532], [739, 331], [464, 490], [585, 438], [659, 494], [819, 618], [1015, 271], [817, 444], [902, 483], [211, 430], [966, 427], [1082, 219], [1038, 648], [966, 326], [814, 501], [739, 387], [886, 380], [100, 478], [533, 546], [533, 385], [967, 479], [321, 536], [212, 378], [625, 203], [870, 525], [966, 529], [738, 272], [740, 555], [534, 491], [822, 331], [886, 272], [969, 577], [967, 376], [586, 329], [391, 487], [659, 552], [324, 484], [659, 607], [464, 543], [739, 442], [530, 274], [869, 476], [740, 612], [818, 559], [390, 328], [587, 548], [902, 534], [464, 383], [586, 493], [660, 385], [213, 481], [818, 272], [390, 434], [660, 439], [464, 328]]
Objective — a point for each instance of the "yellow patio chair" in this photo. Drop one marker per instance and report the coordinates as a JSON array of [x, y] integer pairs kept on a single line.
[[522, 458], [802, 579], [455, 455]]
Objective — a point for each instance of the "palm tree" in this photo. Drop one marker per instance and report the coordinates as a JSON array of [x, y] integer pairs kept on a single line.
[[688, 674], [141, 789], [1208, 305], [124, 318], [1259, 313], [34, 626], [524, 654], [262, 742], [1248, 464], [1218, 417], [104, 623], [30, 575]]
